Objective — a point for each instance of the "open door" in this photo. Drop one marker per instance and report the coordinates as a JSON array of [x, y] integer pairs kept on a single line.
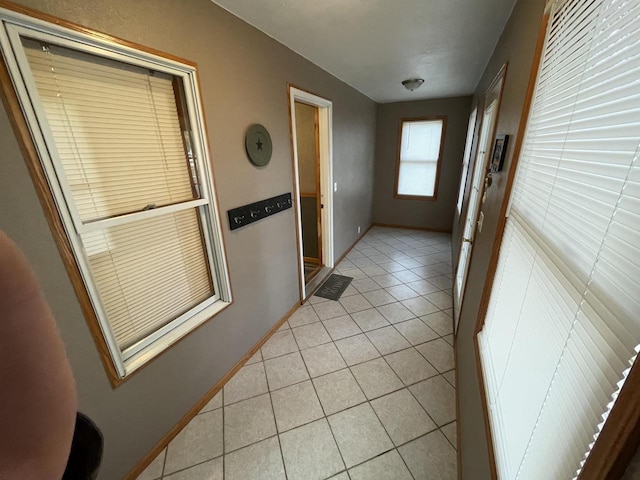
[[313, 185], [308, 147], [477, 191]]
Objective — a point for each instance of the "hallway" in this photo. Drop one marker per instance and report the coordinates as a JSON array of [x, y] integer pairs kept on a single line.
[[362, 388]]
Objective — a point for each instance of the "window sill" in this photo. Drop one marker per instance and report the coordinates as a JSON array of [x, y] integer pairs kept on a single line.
[[164, 343], [416, 197]]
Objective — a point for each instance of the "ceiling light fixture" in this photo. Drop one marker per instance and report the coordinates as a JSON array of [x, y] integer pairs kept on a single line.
[[412, 83]]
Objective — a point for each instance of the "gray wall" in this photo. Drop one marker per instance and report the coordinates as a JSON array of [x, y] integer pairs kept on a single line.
[[437, 214], [244, 75], [516, 46]]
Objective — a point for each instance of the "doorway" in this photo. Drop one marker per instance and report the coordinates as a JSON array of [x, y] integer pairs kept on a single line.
[[312, 168], [308, 148], [477, 191]]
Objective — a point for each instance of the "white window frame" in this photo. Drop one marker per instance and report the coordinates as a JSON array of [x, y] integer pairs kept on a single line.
[[15, 25], [466, 159]]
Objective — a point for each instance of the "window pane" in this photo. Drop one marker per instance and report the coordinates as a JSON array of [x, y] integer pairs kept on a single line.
[[116, 130], [148, 273], [421, 140], [417, 178], [419, 153]]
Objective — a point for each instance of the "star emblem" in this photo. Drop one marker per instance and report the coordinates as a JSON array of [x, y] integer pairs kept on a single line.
[[259, 144]]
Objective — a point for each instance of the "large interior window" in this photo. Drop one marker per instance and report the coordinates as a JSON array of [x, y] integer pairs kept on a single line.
[[419, 156], [120, 137], [563, 322]]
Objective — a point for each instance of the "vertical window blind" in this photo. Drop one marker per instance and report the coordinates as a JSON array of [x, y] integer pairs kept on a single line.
[[117, 140], [420, 145], [563, 323]]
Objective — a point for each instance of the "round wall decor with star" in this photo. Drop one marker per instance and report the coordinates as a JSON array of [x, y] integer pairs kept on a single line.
[[257, 142]]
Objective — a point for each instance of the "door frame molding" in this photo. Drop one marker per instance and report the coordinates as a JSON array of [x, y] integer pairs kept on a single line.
[[325, 144], [492, 94]]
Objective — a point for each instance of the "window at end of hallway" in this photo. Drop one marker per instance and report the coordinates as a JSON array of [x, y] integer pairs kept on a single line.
[[121, 141], [420, 143]]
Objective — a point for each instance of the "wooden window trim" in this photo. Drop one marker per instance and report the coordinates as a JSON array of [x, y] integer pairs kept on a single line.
[[20, 126], [433, 197]]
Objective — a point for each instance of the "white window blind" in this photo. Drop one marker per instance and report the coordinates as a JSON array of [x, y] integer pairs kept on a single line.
[[563, 323], [121, 144], [116, 129], [466, 159], [118, 138], [420, 146]]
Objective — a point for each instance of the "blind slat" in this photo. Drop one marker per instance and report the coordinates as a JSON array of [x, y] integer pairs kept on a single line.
[[105, 117], [563, 321], [148, 272]]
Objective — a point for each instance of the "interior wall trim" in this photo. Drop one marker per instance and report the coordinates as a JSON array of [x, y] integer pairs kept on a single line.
[[499, 79], [139, 467], [411, 227]]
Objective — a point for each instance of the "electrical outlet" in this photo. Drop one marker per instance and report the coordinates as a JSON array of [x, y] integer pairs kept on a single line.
[[358, 229]]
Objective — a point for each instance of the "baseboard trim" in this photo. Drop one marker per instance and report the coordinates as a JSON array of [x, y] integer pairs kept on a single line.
[[411, 227], [348, 250], [139, 467]]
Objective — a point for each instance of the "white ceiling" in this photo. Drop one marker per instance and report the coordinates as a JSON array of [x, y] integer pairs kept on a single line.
[[375, 44]]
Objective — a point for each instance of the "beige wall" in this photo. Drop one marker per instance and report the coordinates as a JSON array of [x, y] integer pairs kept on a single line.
[[436, 214], [516, 46], [244, 75]]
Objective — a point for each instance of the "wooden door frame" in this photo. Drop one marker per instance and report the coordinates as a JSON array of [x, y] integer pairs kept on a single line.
[[488, 100], [316, 139], [325, 177]]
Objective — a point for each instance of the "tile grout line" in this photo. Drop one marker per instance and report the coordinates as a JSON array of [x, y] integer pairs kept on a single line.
[[224, 443], [414, 243], [438, 427], [275, 421], [320, 401], [368, 401], [164, 460]]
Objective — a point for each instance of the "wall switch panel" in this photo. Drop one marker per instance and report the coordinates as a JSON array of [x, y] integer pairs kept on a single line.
[[480, 222], [242, 216]]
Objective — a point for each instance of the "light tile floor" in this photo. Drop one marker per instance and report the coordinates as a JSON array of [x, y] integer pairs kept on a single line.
[[362, 388]]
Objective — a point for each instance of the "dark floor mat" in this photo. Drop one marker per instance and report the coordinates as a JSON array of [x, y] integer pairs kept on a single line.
[[333, 287]]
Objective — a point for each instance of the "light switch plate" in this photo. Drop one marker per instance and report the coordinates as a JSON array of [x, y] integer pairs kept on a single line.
[[335, 186], [480, 222]]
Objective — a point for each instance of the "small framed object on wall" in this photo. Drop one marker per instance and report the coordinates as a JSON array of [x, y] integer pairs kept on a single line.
[[257, 142], [499, 152]]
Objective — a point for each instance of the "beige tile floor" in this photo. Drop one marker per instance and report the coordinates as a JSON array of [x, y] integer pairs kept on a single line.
[[362, 388]]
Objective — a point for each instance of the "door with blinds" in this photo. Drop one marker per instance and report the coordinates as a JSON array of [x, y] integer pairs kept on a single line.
[[477, 187], [563, 322]]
